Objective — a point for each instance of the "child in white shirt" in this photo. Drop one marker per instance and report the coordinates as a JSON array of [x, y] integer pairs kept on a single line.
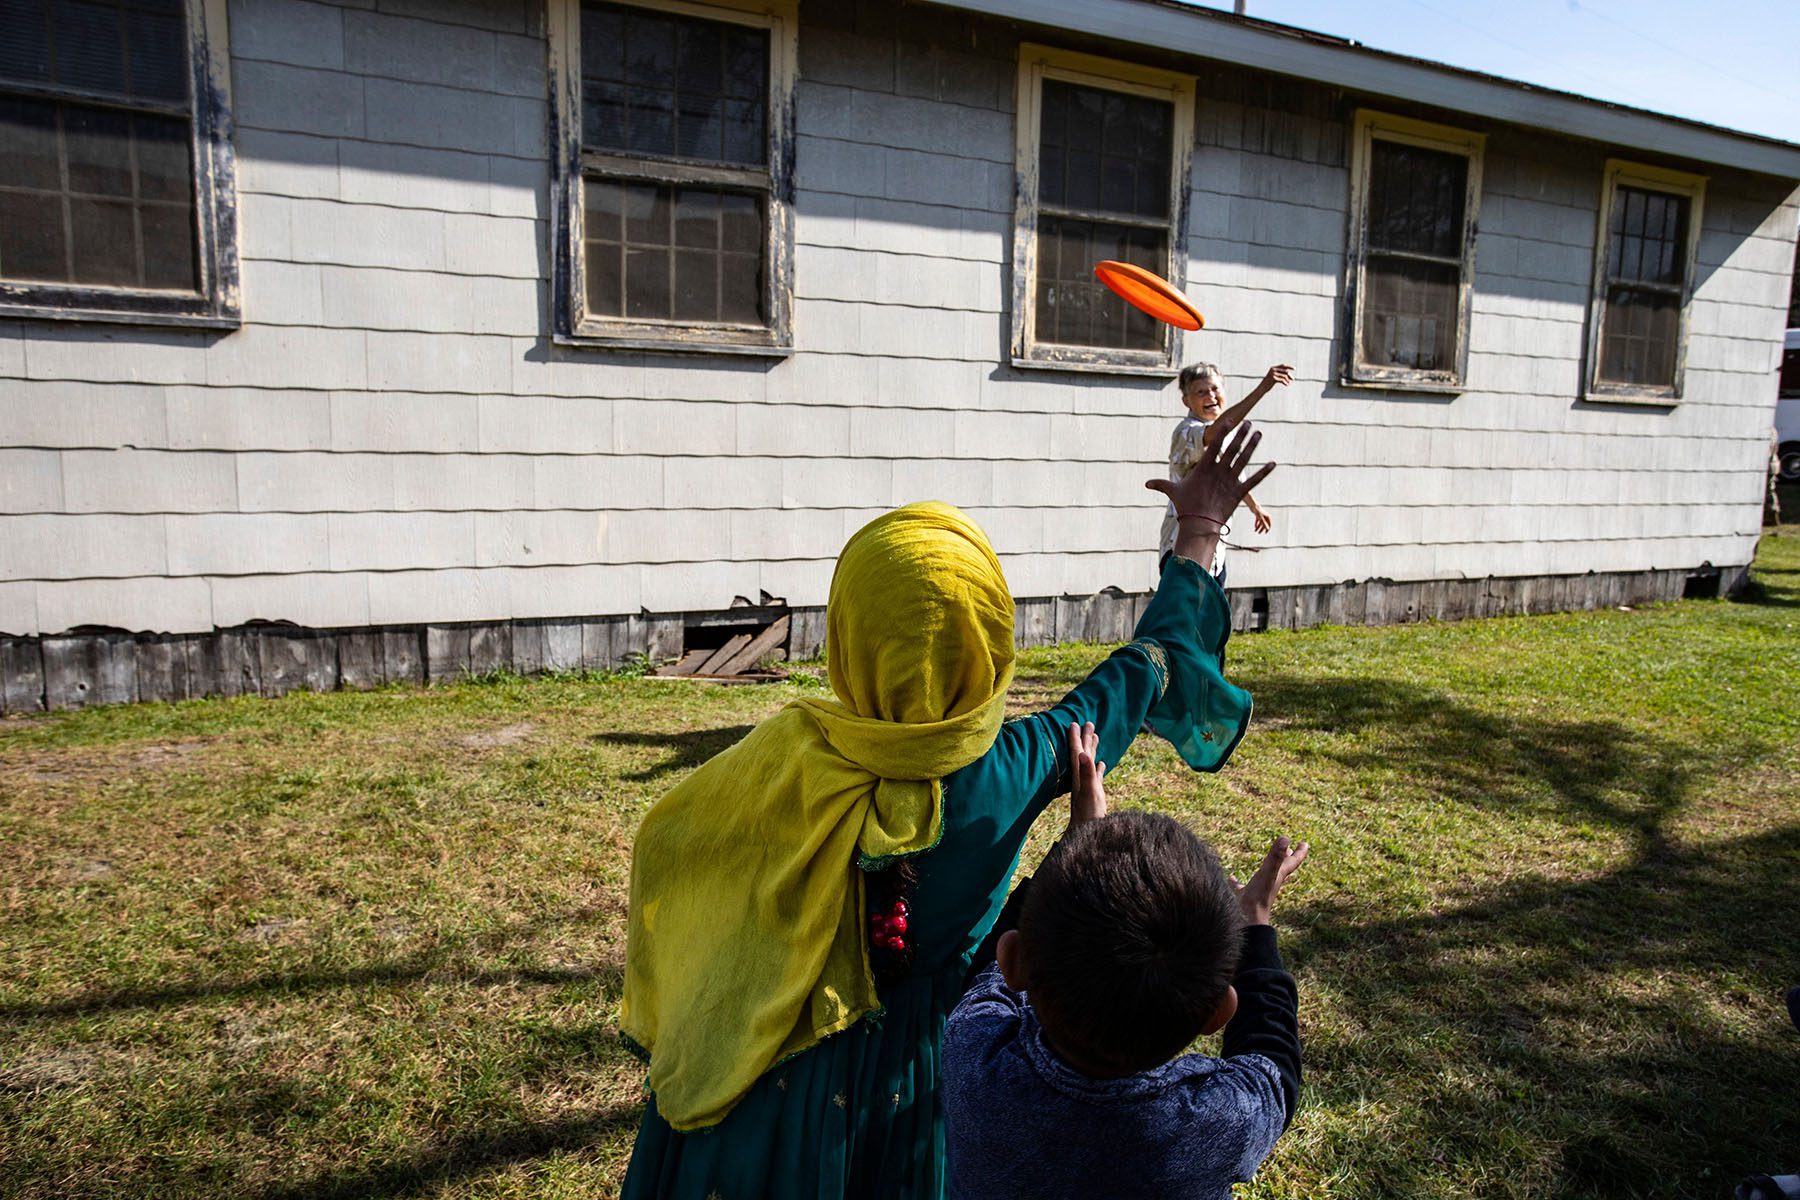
[[1208, 419]]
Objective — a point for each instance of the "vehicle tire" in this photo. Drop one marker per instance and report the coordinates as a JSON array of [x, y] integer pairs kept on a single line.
[[1790, 462]]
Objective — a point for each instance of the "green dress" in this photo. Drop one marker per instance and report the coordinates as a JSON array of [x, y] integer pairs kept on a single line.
[[858, 1114]]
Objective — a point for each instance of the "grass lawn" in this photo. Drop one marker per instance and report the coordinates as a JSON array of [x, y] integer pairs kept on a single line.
[[370, 944]]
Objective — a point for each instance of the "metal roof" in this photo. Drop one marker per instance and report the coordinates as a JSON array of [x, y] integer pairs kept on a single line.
[[1287, 50]]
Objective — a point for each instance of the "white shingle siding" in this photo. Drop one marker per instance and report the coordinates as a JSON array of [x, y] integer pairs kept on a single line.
[[391, 439]]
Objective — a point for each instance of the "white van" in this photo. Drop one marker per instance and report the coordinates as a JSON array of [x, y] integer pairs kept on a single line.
[[1787, 408]]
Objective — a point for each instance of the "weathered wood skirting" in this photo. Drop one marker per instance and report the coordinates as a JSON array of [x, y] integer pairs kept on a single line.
[[98, 666]]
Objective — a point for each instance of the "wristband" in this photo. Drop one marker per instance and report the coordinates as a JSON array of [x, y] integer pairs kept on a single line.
[[1223, 527]]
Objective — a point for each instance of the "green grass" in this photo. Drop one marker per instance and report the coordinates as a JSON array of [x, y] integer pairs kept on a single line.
[[370, 944]]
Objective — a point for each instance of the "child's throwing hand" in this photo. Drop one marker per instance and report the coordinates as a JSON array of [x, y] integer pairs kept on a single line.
[[1280, 373], [1087, 792], [1257, 898]]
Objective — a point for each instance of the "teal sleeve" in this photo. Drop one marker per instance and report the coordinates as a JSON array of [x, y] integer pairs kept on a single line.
[[1169, 675]]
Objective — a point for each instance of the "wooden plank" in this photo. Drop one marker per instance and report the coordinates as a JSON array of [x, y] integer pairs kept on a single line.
[[402, 655], [89, 668], [527, 647], [690, 662], [597, 637], [359, 659], [722, 655], [490, 647], [446, 653], [293, 658], [562, 646], [806, 637], [760, 646], [21, 675], [1034, 623], [161, 669]]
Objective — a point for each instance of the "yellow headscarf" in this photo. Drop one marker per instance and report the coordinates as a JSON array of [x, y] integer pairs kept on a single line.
[[746, 937]]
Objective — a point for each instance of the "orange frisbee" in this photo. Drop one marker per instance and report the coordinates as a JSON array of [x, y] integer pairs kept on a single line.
[[1151, 293]]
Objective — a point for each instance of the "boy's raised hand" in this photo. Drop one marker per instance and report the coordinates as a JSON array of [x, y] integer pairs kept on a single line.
[[1257, 898], [1087, 794], [1280, 373]]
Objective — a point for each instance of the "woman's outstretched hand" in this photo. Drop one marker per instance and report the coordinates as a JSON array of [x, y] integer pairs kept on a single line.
[[1210, 492]]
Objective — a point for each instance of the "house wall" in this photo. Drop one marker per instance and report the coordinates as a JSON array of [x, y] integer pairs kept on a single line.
[[391, 439]]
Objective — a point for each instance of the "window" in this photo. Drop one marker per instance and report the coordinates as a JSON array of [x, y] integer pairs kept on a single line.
[[675, 197], [1103, 152], [1415, 188], [1643, 268], [107, 204]]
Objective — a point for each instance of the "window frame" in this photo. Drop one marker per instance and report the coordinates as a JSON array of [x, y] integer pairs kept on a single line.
[[1620, 171], [572, 324], [1368, 126], [1036, 64], [217, 301]]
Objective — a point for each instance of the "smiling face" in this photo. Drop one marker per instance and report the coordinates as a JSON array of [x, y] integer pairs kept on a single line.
[[1203, 397]]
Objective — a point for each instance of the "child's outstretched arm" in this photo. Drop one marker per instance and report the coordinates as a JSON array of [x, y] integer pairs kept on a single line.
[[1263, 523], [1267, 1021], [1281, 374]]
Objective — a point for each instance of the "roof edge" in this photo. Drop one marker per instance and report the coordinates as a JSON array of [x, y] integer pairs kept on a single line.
[[1289, 50]]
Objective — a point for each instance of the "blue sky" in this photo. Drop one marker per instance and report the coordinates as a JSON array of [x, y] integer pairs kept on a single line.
[[1725, 62]]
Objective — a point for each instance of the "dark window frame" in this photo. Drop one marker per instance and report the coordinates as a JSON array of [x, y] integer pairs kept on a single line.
[[216, 303], [1037, 64], [1622, 173], [1368, 128], [572, 165]]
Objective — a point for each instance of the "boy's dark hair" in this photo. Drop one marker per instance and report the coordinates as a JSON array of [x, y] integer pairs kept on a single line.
[[1130, 934]]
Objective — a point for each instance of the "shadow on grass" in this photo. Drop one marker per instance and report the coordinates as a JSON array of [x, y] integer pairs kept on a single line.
[[1543, 1011], [433, 970], [1600, 772], [686, 749], [446, 963], [1624, 1029], [474, 1152]]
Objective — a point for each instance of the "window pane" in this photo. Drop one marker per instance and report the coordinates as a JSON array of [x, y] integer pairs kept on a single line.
[[602, 43], [1409, 314], [1638, 346], [105, 241], [168, 247], [741, 289], [126, 215], [99, 142], [28, 144], [31, 237], [164, 162], [1074, 308], [89, 49], [696, 285], [1104, 151], [158, 59], [1416, 199], [697, 219], [650, 121], [1649, 237], [603, 114], [673, 86], [660, 252], [25, 48]]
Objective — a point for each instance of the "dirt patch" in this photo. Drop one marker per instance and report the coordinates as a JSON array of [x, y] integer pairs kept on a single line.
[[91, 870], [86, 763], [493, 739], [275, 929], [42, 1069]]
